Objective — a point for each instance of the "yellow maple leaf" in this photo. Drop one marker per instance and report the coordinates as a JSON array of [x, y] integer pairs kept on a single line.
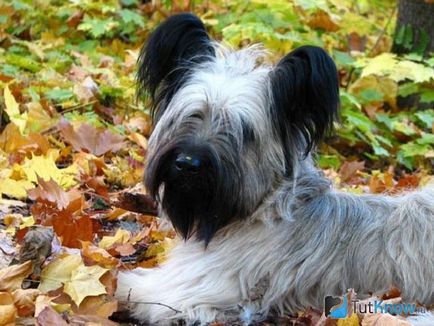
[[79, 280], [13, 111], [45, 167], [58, 272], [15, 188], [121, 237], [85, 282]]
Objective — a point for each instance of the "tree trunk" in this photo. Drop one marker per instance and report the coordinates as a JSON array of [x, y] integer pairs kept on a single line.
[[415, 27]]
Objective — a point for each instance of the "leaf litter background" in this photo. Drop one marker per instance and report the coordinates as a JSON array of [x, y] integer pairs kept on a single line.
[[73, 138]]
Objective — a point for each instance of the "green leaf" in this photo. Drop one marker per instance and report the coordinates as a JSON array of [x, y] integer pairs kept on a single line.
[[408, 89], [408, 37], [399, 37], [328, 161], [426, 139], [414, 149], [129, 16], [24, 62], [426, 117], [423, 42], [427, 96], [59, 95]]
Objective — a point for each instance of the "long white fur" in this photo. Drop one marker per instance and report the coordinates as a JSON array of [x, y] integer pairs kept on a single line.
[[305, 241]]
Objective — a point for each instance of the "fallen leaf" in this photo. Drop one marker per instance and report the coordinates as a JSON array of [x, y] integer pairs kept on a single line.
[[85, 282], [8, 311], [349, 169], [136, 202], [90, 139], [50, 191], [13, 111], [24, 300], [44, 167], [125, 249], [384, 320], [36, 247], [98, 255], [101, 306], [12, 277], [49, 317], [121, 237], [58, 272]]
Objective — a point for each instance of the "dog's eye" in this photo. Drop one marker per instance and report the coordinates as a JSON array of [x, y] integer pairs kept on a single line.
[[196, 116]]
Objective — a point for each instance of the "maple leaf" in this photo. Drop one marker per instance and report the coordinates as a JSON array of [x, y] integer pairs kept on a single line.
[[121, 237], [45, 168], [79, 280], [12, 276], [85, 282], [88, 138], [50, 191], [58, 272]]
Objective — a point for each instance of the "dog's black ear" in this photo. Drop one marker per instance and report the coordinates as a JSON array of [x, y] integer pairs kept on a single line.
[[305, 98], [170, 52]]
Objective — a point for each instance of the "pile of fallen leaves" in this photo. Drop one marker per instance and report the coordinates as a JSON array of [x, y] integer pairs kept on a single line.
[[73, 138]]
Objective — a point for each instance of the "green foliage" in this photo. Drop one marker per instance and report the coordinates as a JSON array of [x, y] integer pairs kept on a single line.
[[82, 53]]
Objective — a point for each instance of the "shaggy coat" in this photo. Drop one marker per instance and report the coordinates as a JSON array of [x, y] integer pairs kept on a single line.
[[263, 231]]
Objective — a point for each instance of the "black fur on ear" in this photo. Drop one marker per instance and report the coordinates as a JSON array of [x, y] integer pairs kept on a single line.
[[305, 99], [171, 51]]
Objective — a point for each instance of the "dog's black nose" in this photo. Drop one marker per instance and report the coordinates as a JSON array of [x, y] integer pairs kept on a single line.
[[188, 163]]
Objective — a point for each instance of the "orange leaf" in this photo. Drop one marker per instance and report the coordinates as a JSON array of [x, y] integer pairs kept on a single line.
[[98, 255], [72, 230], [8, 311]]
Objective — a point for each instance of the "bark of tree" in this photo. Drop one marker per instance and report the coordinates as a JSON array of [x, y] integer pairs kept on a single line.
[[415, 27]]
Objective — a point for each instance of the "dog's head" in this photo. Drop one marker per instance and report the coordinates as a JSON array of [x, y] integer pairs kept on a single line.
[[227, 127]]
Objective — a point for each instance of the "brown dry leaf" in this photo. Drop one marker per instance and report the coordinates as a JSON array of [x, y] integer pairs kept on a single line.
[[410, 181], [102, 306], [36, 247], [50, 191], [321, 19], [8, 311], [98, 255], [49, 317], [384, 320], [90, 139], [91, 321], [12, 277], [7, 249], [349, 169], [11, 139], [380, 182], [25, 301], [136, 202], [125, 249], [139, 140]]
